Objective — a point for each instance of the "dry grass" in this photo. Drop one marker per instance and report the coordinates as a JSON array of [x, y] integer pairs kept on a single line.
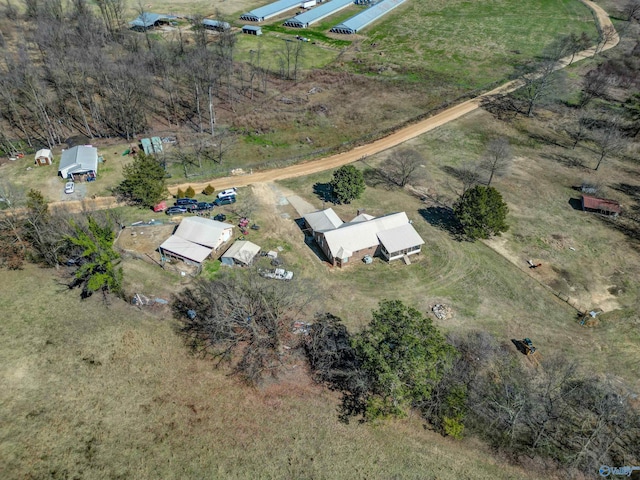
[[91, 392], [584, 258]]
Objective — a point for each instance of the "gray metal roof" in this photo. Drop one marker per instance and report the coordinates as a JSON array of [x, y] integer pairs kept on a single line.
[[316, 14], [216, 24], [400, 238], [323, 220], [352, 237], [370, 15], [185, 249], [203, 231], [80, 159], [271, 10], [148, 20]]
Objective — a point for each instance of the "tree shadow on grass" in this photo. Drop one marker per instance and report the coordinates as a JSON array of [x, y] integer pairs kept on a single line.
[[324, 192], [443, 218], [374, 177], [566, 160]]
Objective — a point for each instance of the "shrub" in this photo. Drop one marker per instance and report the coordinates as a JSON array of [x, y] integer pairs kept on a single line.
[[190, 192], [208, 190]]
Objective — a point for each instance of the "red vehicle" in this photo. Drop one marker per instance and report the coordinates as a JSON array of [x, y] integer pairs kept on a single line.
[[244, 221], [161, 207]]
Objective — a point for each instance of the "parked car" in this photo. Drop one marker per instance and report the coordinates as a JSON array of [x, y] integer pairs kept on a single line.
[[221, 217], [69, 187], [224, 201], [277, 274], [176, 210], [200, 206], [186, 201], [230, 192]]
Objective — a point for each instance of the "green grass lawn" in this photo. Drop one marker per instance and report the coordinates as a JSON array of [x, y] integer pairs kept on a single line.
[[471, 44]]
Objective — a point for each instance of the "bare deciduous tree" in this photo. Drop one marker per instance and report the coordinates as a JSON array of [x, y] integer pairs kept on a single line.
[[402, 167], [497, 157], [608, 140], [240, 319], [631, 10]]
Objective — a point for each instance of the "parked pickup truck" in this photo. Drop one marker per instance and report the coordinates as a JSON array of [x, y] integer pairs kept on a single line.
[[277, 274]]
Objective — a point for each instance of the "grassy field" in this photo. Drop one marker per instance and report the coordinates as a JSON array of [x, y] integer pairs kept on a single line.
[[470, 44], [485, 289], [93, 392]]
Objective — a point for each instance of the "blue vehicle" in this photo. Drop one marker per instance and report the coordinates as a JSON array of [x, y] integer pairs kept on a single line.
[[186, 201]]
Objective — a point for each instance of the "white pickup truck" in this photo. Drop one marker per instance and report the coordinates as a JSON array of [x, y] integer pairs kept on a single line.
[[277, 274]]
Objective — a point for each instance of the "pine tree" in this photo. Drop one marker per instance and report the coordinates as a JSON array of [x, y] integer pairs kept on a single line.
[[144, 181], [481, 212]]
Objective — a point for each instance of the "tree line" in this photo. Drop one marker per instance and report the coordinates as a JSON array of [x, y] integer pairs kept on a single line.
[[82, 244], [545, 416], [71, 72]]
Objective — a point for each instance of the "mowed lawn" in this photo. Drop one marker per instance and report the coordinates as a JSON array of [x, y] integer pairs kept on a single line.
[[94, 392]]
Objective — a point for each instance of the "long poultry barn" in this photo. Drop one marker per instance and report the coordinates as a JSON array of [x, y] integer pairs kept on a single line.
[[273, 9], [316, 14], [368, 16]]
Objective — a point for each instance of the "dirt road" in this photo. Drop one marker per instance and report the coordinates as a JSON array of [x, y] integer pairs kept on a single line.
[[390, 141], [401, 136]]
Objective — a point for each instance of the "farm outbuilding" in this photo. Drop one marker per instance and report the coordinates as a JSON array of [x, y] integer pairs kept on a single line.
[[152, 145], [147, 20], [271, 10], [242, 252], [80, 160], [216, 25], [44, 157], [600, 205], [204, 231], [252, 30], [315, 15], [184, 250], [195, 239], [370, 15]]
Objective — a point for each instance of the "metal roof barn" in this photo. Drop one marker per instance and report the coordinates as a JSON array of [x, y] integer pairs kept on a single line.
[[216, 25], [316, 14], [209, 233], [370, 15], [184, 249], [271, 10], [148, 20]]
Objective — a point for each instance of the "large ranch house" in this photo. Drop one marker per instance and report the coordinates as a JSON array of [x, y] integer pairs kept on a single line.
[[389, 237]]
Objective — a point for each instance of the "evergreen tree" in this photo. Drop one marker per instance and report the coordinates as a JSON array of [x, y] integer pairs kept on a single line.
[[98, 270], [403, 355], [144, 181], [190, 192], [481, 212], [347, 184]]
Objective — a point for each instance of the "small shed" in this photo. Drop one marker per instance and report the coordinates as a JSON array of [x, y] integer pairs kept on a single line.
[[44, 157], [600, 205], [242, 252], [252, 30]]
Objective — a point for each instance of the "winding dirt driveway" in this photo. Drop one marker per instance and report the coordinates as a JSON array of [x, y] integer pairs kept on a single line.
[[604, 25]]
